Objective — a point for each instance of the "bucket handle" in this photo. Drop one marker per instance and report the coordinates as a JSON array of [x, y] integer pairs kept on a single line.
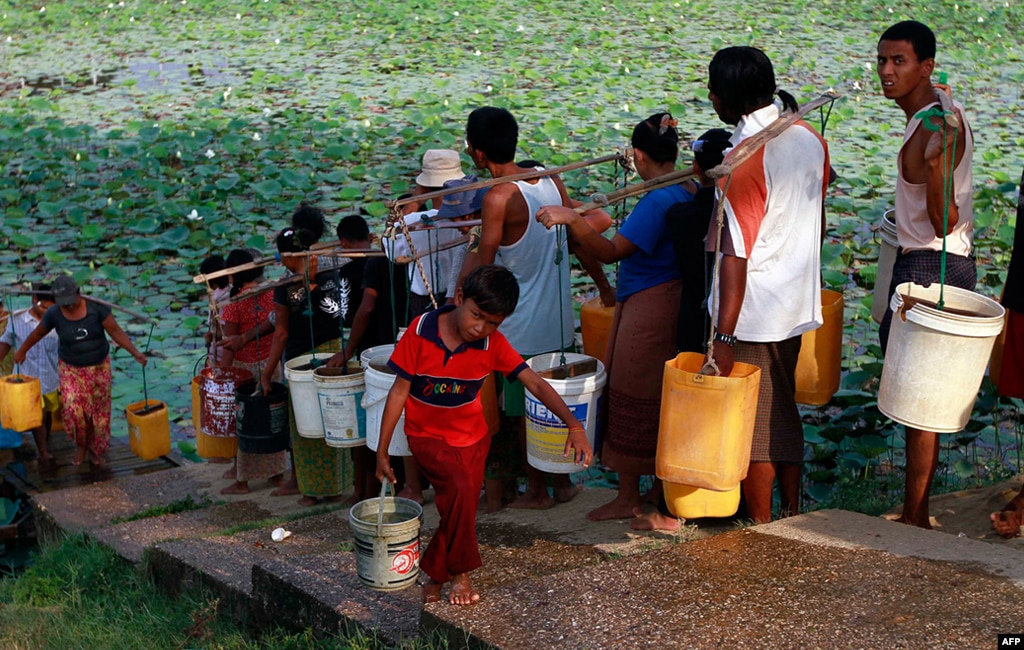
[[380, 506], [366, 404]]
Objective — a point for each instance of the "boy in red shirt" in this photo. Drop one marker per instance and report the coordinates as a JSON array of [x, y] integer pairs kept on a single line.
[[441, 363]]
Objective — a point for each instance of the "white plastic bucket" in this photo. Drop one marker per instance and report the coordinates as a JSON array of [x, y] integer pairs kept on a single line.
[[377, 386], [935, 360], [340, 395], [305, 403], [370, 354], [545, 432], [886, 260], [386, 534]]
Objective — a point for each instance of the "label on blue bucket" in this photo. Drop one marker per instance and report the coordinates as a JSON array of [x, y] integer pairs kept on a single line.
[[546, 431]]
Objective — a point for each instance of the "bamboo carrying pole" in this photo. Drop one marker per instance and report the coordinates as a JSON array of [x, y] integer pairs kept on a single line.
[[333, 248], [665, 180], [98, 301], [525, 176]]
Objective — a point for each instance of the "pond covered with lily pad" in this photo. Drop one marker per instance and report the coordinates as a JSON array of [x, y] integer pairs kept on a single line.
[[138, 137]]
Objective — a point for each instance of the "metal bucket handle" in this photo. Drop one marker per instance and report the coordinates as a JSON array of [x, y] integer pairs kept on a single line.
[[380, 505]]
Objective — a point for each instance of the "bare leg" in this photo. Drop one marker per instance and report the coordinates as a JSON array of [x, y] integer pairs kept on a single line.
[[563, 488], [432, 591], [789, 488], [413, 480], [80, 454], [536, 496], [922, 460], [462, 591], [625, 503], [1007, 522], [231, 472], [493, 488], [290, 487], [757, 491], [41, 435]]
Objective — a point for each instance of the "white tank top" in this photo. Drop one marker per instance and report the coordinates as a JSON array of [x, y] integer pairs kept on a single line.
[[913, 228], [533, 328]]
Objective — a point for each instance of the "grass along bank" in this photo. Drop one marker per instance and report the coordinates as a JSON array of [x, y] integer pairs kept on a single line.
[[80, 594]]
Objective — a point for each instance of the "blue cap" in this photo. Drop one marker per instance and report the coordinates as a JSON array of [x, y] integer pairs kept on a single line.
[[459, 204]]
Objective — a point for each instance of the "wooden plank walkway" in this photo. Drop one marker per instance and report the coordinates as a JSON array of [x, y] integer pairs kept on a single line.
[[25, 474]]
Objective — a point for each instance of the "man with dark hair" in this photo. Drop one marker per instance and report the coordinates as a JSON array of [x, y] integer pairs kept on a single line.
[[906, 59], [511, 236]]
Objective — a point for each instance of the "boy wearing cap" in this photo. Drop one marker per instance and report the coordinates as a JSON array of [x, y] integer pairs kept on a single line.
[[439, 166], [41, 363]]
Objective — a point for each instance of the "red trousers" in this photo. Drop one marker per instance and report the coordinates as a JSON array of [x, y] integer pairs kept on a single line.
[[457, 474]]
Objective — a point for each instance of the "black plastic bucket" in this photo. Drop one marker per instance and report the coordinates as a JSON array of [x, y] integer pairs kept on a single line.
[[262, 419]]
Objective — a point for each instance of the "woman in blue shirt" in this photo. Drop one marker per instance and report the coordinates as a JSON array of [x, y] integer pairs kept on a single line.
[[643, 334]]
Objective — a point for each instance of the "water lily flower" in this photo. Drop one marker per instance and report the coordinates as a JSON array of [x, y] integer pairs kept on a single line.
[[78, 157], [132, 19], [226, 93], [489, 88], [856, 85], [193, 216], [42, 9], [257, 137], [277, 41], [266, 112], [456, 13], [617, 126], [626, 69], [366, 123], [980, 19], [209, 153], [625, 108], [520, 29], [477, 53], [476, 31], [238, 16], [178, 154]]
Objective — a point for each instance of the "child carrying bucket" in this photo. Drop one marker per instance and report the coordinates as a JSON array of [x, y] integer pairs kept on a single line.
[[441, 363]]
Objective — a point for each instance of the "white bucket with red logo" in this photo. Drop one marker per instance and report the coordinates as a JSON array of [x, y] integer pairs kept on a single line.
[[386, 532]]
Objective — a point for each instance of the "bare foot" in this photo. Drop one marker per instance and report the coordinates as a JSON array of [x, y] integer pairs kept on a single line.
[[614, 509], [566, 493], [530, 501], [653, 521], [80, 454], [96, 461], [462, 591], [432, 592], [307, 501], [904, 520], [411, 494], [1007, 522], [230, 473], [238, 487]]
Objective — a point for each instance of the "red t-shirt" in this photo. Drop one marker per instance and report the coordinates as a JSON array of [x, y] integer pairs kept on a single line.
[[444, 400], [247, 314]]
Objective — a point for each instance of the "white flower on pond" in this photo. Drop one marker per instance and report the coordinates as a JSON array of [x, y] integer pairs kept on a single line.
[[277, 41], [366, 123], [476, 31], [78, 157], [193, 216], [177, 154], [257, 137], [627, 69], [266, 112], [749, 29], [489, 88], [209, 153], [980, 19], [477, 53], [625, 108], [617, 126], [42, 9], [226, 93], [456, 13], [132, 19], [520, 29], [856, 85]]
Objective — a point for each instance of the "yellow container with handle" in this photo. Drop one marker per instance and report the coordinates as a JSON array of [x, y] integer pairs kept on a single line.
[[21, 403], [818, 369], [596, 327], [149, 429], [707, 423], [688, 502]]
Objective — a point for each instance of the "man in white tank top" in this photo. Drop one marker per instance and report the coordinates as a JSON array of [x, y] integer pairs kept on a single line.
[[511, 236], [906, 59]]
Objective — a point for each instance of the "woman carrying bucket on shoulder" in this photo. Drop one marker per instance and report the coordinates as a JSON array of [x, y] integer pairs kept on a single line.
[[83, 365], [643, 333], [768, 292], [248, 338], [306, 321]]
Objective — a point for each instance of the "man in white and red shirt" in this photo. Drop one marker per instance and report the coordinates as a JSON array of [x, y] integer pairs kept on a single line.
[[769, 290]]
